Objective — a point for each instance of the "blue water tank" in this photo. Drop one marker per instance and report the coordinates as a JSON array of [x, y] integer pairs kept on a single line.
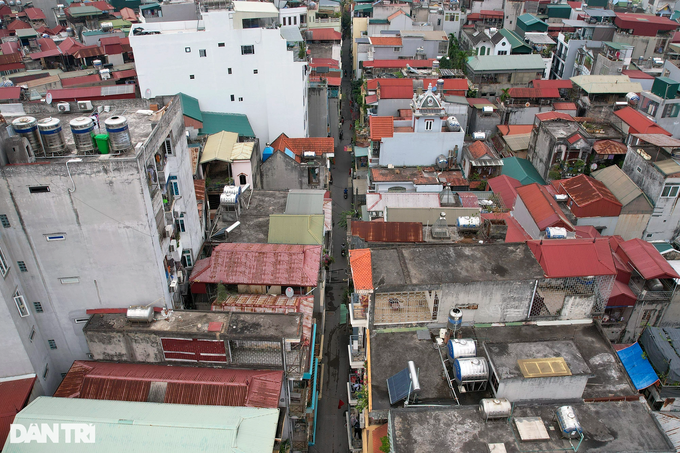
[[267, 153]]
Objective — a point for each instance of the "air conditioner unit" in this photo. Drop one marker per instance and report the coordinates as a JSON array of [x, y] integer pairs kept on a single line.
[[173, 286], [180, 277], [64, 107], [168, 231], [85, 105], [172, 247]]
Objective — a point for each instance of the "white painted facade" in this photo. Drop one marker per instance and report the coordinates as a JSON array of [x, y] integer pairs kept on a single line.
[[97, 246], [267, 85]]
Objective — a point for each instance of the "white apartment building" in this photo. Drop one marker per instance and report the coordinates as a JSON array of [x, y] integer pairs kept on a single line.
[[82, 231], [232, 62]]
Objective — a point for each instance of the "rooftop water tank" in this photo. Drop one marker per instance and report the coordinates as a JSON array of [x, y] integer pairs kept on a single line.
[[455, 319], [479, 135], [556, 233], [140, 314], [470, 369], [119, 133], [452, 124], [27, 127], [495, 408], [267, 153], [464, 347], [52, 135], [468, 222], [82, 129], [568, 423]]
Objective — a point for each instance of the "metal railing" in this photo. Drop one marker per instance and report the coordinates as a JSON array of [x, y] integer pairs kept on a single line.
[[360, 354], [642, 293]]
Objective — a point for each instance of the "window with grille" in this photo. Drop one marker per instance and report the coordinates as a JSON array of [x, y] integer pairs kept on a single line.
[[52, 343], [22, 266], [21, 304], [4, 220], [37, 306], [47, 371], [187, 260], [247, 50], [167, 146], [202, 53], [4, 265], [670, 190]]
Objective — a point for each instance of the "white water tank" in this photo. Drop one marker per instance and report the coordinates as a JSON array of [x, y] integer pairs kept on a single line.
[[495, 408], [470, 369], [556, 233], [479, 136], [463, 347], [568, 423]]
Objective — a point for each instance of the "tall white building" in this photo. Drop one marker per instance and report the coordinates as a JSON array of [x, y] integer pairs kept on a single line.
[[86, 231], [232, 62]]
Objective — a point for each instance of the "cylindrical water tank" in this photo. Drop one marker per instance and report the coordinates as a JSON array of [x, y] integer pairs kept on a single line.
[[495, 408], [569, 424], [140, 314], [119, 133], [452, 124], [227, 199], [455, 319], [464, 347], [97, 64], [27, 127], [52, 135], [470, 369], [82, 128], [267, 153]]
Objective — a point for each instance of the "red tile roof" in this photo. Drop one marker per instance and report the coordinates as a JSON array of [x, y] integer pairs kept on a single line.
[[69, 46], [534, 93], [185, 384], [10, 93], [101, 5], [515, 129], [543, 208], [13, 397], [381, 127], [326, 62], [562, 258], [506, 188], [388, 231], [637, 74], [558, 83], [398, 92], [394, 41], [18, 24], [639, 123], [647, 260], [608, 147], [362, 270], [398, 63], [117, 75], [128, 14], [319, 146], [550, 116], [372, 99], [80, 81], [564, 106], [260, 264], [574, 138], [325, 34], [479, 149], [35, 14]]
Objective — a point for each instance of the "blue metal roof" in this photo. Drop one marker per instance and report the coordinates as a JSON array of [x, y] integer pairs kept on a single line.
[[638, 367]]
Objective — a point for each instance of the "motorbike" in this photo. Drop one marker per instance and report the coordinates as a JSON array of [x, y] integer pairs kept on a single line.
[[343, 253], [345, 194]]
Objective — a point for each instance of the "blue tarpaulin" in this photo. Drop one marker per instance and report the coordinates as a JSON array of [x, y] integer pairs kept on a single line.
[[638, 367]]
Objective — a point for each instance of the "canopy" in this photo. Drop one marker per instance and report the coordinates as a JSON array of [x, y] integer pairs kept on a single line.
[[637, 366]]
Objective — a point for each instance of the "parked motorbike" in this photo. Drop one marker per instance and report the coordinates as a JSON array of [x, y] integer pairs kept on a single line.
[[345, 194]]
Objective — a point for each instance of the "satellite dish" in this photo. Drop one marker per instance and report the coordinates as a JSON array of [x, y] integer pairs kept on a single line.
[[289, 292], [48, 98], [147, 93]]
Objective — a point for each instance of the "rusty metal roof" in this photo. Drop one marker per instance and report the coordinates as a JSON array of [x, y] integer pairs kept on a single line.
[[607, 147], [585, 190], [183, 385], [362, 269], [260, 264], [388, 231], [14, 395]]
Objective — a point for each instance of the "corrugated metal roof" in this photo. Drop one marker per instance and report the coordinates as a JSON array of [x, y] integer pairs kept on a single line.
[[18, 25], [137, 427], [670, 423], [639, 123], [609, 147], [522, 170], [515, 129], [305, 202], [190, 107], [398, 63], [534, 93], [98, 92], [647, 260], [84, 80], [14, 395], [10, 93], [598, 84], [517, 142], [564, 106], [584, 190], [35, 14], [291, 33], [394, 41], [506, 188], [660, 140], [296, 229], [362, 269], [325, 34], [185, 385], [318, 145], [219, 147], [231, 122], [561, 258], [543, 208], [388, 231], [621, 296], [380, 201], [668, 167], [550, 116], [260, 264], [504, 63]]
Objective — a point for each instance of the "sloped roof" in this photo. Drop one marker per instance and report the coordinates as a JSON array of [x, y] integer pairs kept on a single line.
[[260, 264], [79, 81], [10, 93], [296, 229], [35, 14], [128, 14], [620, 184], [506, 188], [515, 129], [543, 208], [639, 123], [380, 127], [396, 92], [584, 190], [325, 34], [388, 231], [396, 14], [609, 147], [380, 201], [305, 201], [534, 93], [595, 84], [362, 269], [214, 122], [69, 45], [479, 149], [298, 146], [574, 138], [647, 260], [17, 24], [185, 384], [14, 395], [522, 170], [89, 51], [393, 41], [551, 116], [660, 140], [558, 83], [219, 147], [562, 258], [506, 63], [564, 106]]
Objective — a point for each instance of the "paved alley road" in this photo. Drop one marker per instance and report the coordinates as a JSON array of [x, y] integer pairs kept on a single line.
[[331, 434]]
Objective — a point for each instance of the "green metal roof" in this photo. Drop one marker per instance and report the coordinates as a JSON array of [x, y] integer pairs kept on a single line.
[[503, 63], [145, 6], [360, 151], [190, 107], [305, 202], [618, 45], [80, 11], [662, 247], [140, 427], [529, 19], [378, 21], [522, 170], [120, 23], [95, 33], [230, 122], [517, 44], [296, 229], [364, 7]]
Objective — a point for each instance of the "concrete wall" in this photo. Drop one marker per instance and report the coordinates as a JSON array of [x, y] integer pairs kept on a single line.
[[385, 10], [631, 226], [525, 115], [636, 325], [359, 25], [643, 46], [512, 10], [495, 301], [562, 388], [521, 214], [390, 107], [281, 172], [164, 67], [418, 148], [480, 122], [318, 111], [609, 223]]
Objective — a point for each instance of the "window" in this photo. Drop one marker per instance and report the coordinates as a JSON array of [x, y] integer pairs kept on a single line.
[[47, 371], [63, 375], [69, 280], [397, 49], [247, 50], [202, 53], [37, 306], [187, 260], [191, 77], [187, 49], [649, 235], [228, 70], [240, 99], [254, 71], [502, 52], [81, 320], [174, 185], [428, 125], [52, 343], [220, 44], [21, 304], [242, 180], [22, 266], [232, 98], [4, 220], [670, 190], [671, 111], [55, 237], [179, 223], [638, 169], [39, 189], [4, 267], [31, 335], [167, 146]]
